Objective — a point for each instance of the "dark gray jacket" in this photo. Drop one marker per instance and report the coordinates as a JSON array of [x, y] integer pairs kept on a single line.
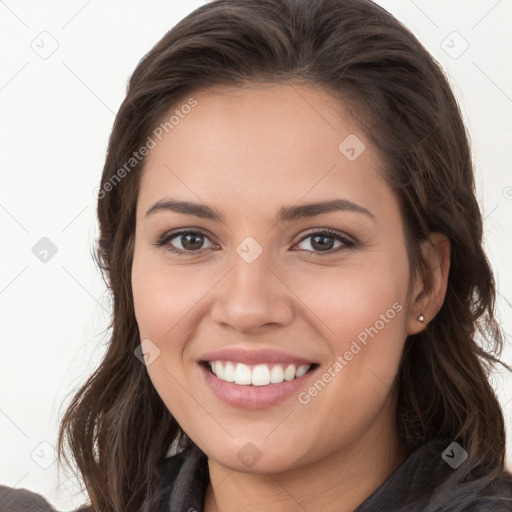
[[424, 482]]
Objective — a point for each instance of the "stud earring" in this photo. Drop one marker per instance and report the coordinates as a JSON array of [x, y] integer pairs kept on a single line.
[[421, 318]]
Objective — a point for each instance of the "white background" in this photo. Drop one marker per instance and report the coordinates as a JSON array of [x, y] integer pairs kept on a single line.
[[56, 116]]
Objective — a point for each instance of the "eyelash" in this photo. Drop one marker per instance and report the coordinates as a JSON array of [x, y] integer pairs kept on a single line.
[[347, 243]]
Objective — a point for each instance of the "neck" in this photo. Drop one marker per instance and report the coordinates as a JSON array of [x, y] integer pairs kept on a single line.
[[337, 483]]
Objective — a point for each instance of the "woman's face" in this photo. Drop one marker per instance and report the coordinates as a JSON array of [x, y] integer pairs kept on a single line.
[[261, 290]]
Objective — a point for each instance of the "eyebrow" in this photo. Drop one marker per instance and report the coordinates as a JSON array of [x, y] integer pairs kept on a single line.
[[286, 214]]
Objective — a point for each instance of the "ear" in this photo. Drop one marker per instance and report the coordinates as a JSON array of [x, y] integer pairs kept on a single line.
[[424, 301]]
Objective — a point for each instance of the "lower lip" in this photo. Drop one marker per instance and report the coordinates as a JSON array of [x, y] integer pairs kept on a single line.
[[254, 397]]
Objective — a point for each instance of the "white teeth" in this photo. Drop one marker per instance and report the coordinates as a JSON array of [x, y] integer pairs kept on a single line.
[[301, 370], [277, 374], [289, 373], [229, 372], [219, 370], [242, 374], [259, 375]]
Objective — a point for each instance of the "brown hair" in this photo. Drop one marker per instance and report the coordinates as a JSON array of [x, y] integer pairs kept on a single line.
[[116, 426]]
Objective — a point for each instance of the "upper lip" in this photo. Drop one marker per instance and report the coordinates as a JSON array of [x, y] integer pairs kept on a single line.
[[260, 356]]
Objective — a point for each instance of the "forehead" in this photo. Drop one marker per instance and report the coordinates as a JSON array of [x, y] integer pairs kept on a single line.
[[274, 141]]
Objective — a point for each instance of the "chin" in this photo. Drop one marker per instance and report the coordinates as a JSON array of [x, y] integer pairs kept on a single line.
[[257, 456]]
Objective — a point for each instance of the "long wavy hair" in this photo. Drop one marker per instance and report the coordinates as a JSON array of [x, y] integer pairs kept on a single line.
[[116, 429]]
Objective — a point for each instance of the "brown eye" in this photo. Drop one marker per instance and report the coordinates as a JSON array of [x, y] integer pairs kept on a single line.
[[325, 241], [191, 241], [184, 242]]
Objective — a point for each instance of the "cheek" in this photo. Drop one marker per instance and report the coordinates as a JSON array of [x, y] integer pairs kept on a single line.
[[349, 300], [161, 304], [163, 297], [362, 311], [168, 305], [159, 307], [363, 317]]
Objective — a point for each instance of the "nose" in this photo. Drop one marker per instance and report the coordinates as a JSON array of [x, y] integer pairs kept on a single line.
[[252, 296]]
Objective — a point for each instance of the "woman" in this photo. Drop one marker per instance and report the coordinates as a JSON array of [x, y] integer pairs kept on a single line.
[[289, 228]]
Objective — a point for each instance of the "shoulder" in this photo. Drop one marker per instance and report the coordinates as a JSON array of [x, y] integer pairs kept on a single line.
[[466, 486], [426, 482], [22, 500], [475, 490]]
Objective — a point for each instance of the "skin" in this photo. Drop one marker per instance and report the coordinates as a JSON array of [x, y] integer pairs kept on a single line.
[[248, 152]]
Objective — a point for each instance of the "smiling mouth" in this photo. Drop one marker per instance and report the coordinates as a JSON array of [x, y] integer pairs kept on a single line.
[[259, 375]]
